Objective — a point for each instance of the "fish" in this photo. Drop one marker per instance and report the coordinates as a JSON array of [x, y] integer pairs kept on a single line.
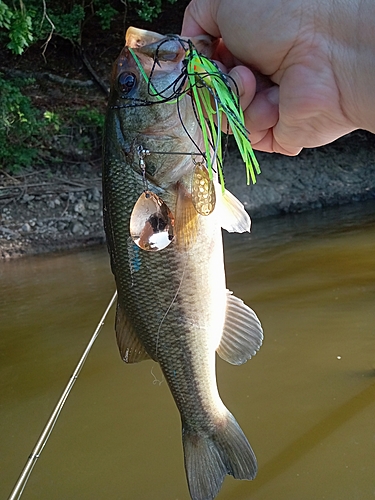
[[166, 254]]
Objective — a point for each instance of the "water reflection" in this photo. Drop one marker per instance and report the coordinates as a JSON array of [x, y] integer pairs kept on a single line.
[[306, 401]]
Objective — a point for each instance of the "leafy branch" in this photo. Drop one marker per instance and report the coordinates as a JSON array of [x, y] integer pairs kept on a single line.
[[28, 21]]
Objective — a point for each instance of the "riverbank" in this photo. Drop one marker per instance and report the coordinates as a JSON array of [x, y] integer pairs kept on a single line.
[[47, 210], [339, 173], [59, 208]]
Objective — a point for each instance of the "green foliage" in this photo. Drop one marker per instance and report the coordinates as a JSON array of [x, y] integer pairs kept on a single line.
[[28, 135], [147, 10], [5, 16], [89, 117], [68, 24], [27, 21], [19, 126], [53, 119], [106, 13], [20, 32], [18, 24]]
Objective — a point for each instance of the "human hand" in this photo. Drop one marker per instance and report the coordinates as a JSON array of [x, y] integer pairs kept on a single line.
[[297, 46]]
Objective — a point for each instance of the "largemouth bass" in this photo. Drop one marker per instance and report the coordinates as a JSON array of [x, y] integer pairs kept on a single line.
[[173, 306]]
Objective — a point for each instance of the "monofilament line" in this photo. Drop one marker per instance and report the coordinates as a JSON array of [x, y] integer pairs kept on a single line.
[[35, 454]]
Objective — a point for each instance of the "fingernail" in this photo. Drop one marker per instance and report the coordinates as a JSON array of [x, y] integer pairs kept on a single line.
[[272, 95]]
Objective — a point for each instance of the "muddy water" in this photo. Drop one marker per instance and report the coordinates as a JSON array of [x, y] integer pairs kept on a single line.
[[306, 401]]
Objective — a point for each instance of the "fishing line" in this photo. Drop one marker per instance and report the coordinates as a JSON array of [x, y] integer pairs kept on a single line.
[[156, 380], [218, 139], [148, 152], [205, 136], [186, 130], [35, 454], [170, 305], [203, 81], [196, 85]]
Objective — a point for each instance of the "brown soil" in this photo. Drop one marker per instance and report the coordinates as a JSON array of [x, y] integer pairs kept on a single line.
[[44, 210]]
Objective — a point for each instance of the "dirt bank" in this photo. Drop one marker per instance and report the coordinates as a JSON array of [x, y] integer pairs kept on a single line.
[[45, 210], [336, 174], [59, 208]]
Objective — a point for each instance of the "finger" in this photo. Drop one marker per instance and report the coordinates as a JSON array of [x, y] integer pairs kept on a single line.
[[260, 109], [223, 54], [221, 66], [198, 19], [190, 27], [262, 120], [269, 144], [262, 113], [243, 83], [263, 141]]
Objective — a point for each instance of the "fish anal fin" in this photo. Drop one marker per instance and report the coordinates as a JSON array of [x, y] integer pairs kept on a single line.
[[233, 216], [131, 348], [209, 457], [242, 333], [186, 220]]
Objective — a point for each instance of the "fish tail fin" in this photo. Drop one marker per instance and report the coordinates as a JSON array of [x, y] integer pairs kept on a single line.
[[210, 456]]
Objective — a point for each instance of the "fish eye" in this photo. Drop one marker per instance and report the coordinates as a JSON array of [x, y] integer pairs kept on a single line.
[[126, 82]]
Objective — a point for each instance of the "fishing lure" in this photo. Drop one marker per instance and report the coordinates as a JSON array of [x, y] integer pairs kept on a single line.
[[212, 97], [208, 83]]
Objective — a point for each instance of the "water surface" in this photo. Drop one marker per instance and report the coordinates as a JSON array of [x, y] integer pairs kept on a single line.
[[306, 401]]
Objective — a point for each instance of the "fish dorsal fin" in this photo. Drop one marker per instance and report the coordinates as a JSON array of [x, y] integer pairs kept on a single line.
[[131, 348], [242, 333], [233, 216], [186, 220]]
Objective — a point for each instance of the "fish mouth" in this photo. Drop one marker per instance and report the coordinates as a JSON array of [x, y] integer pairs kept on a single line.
[[158, 60], [136, 38], [147, 67]]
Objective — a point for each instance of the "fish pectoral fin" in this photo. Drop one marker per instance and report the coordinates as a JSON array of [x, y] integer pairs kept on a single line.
[[131, 348], [186, 220], [242, 333], [210, 456], [232, 214]]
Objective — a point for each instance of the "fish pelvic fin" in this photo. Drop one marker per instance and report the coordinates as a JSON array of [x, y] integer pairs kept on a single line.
[[186, 220], [210, 457], [131, 348], [242, 332], [233, 216]]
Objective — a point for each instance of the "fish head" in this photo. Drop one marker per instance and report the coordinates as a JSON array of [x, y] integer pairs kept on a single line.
[[147, 67], [147, 74], [150, 67]]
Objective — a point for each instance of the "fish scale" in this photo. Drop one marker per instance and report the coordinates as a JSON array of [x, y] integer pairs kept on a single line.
[[173, 304]]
